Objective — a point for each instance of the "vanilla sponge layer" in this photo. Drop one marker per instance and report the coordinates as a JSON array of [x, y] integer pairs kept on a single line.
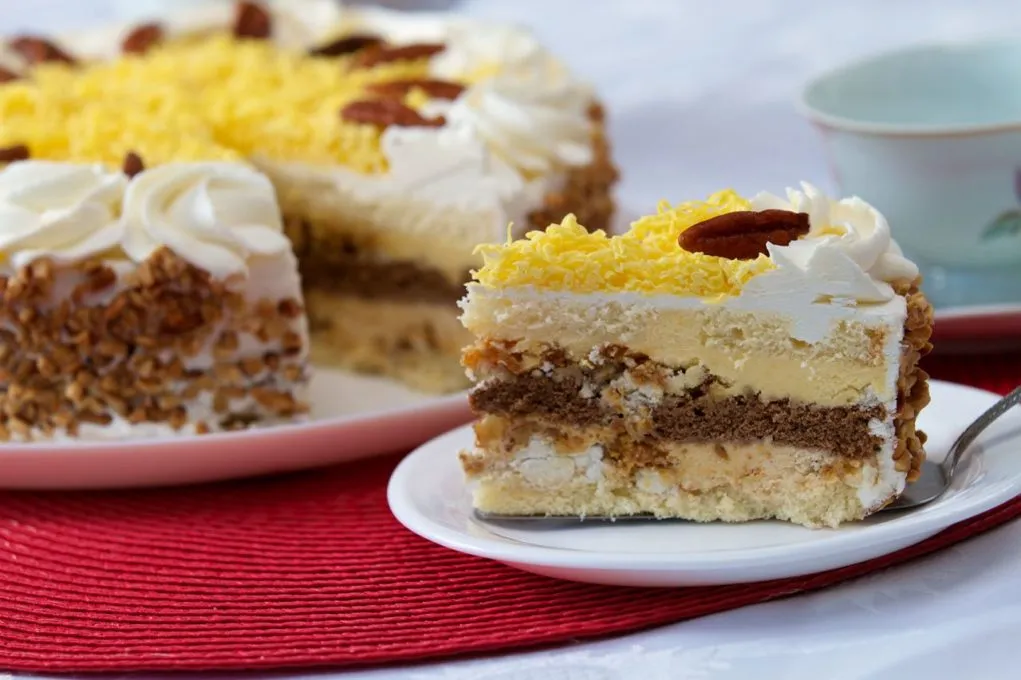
[[852, 359], [732, 482]]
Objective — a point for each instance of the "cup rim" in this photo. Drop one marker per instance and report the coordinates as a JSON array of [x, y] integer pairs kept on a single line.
[[832, 121]]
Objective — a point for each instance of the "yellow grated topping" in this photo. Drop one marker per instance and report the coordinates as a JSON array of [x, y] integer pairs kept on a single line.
[[645, 259], [210, 98]]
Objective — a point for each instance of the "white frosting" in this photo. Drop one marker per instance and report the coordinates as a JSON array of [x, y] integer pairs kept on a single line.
[[448, 165], [214, 215], [11, 60], [218, 216], [472, 46], [881, 482], [535, 119], [62, 211], [528, 109], [855, 266]]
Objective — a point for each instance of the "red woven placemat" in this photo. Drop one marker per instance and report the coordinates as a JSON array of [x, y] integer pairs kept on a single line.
[[311, 569]]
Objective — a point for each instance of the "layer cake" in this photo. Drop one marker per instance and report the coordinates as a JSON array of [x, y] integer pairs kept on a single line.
[[396, 143], [728, 359]]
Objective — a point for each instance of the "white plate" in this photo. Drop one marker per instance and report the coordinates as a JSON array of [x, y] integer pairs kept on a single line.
[[352, 417], [427, 494]]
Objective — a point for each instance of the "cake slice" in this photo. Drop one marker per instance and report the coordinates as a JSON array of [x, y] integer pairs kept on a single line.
[[731, 359], [145, 302]]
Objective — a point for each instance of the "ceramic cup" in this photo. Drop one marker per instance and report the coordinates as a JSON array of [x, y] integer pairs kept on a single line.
[[931, 136]]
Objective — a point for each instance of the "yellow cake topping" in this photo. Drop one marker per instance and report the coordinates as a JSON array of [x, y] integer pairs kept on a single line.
[[207, 98], [645, 259]]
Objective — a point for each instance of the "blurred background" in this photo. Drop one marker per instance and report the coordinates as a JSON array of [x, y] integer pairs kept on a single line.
[[700, 92]]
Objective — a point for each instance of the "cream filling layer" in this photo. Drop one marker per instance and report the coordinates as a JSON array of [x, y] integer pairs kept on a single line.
[[855, 362]]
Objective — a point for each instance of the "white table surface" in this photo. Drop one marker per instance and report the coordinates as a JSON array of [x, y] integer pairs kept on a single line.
[[700, 93]]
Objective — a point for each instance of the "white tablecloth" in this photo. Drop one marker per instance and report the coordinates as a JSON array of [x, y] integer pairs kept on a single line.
[[700, 94]]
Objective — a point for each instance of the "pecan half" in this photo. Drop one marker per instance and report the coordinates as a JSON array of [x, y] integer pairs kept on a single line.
[[437, 89], [133, 164], [142, 38], [386, 112], [743, 235], [346, 45], [36, 50], [251, 20], [383, 54], [7, 76], [18, 152]]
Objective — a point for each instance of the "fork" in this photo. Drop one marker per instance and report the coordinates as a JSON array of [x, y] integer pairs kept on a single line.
[[932, 483]]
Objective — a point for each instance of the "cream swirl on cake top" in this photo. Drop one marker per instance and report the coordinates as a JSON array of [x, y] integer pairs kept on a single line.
[[535, 119], [61, 211], [214, 215], [476, 51], [848, 253]]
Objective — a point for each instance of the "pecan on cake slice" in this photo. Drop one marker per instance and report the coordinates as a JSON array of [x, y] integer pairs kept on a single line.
[[743, 235]]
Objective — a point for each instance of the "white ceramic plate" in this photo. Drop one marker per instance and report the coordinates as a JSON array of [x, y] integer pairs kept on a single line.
[[352, 417], [427, 494]]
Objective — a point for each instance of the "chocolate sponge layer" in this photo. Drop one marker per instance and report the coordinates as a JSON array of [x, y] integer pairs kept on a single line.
[[692, 416]]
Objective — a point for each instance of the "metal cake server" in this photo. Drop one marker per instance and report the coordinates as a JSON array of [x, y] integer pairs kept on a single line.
[[933, 482]]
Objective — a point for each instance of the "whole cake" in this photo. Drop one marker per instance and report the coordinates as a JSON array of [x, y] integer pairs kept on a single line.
[[731, 359], [395, 142]]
